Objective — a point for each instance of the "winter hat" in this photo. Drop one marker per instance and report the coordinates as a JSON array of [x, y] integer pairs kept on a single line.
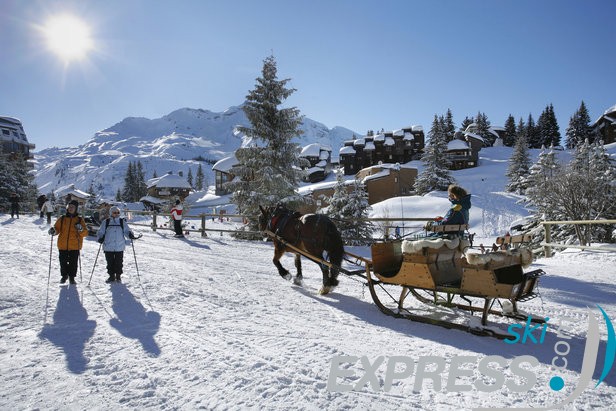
[[114, 209], [73, 202], [177, 202]]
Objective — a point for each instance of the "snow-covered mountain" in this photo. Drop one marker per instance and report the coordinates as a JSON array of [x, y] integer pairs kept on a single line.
[[176, 142]]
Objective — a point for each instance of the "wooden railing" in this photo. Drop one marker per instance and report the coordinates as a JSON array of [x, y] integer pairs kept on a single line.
[[547, 243]]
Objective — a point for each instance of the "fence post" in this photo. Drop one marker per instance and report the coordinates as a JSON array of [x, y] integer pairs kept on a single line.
[[154, 225], [203, 234], [548, 239]]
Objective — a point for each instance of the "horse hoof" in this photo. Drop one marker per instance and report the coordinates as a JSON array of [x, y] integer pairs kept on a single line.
[[298, 281], [325, 290], [287, 277]]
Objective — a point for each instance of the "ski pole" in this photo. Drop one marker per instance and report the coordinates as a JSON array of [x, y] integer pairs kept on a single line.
[[95, 260], [80, 274], [48, 279], [135, 255]]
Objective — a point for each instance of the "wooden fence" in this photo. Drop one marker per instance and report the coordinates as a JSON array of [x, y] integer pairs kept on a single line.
[[548, 244]]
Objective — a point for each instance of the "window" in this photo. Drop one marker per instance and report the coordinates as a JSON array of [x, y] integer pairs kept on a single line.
[[4, 131]]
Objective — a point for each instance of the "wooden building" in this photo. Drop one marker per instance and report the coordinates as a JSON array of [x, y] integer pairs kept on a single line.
[[605, 126]]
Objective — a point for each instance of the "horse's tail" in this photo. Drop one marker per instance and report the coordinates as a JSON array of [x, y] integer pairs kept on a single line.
[[335, 246]]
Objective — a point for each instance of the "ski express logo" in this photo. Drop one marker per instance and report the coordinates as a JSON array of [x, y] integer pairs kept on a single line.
[[433, 367]]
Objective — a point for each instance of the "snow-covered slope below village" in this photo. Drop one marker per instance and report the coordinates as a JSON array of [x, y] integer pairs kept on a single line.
[[176, 142]]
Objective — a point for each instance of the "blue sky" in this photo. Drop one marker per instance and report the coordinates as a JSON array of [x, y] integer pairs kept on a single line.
[[360, 64]]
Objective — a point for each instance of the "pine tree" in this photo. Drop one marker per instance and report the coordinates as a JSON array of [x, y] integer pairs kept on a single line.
[[450, 127], [579, 128], [510, 132], [482, 125], [466, 122], [532, 137], [270, 171], [199, 182], [129, 183], [519, 165], [548, 133], [189, 177], [349, 209], [16, 177], [435, 175]]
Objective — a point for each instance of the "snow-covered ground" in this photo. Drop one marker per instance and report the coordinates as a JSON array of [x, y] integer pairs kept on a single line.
[[207, 323]]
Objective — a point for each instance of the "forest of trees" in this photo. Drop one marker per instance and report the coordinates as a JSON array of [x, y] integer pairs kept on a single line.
[[16, 177]]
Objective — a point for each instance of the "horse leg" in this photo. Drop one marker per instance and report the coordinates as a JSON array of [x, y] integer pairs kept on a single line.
[[284, 273], [327, 284], [298, 266]]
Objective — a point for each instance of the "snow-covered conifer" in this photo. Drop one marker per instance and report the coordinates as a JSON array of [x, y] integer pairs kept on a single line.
[[435, 175], [510, 132], [519, 165], [348, 208], [269, 171], [579, 128]]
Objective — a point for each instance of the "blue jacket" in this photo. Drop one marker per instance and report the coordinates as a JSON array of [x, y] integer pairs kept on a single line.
[[458, 213], [115, 236]]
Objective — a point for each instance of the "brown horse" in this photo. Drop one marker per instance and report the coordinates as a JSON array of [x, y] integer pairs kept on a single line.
[[313, 233]]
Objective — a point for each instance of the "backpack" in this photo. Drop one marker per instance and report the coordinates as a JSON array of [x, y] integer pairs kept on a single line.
[[107, 224]]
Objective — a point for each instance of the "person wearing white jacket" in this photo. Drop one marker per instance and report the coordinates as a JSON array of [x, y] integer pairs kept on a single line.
[[112, 234]]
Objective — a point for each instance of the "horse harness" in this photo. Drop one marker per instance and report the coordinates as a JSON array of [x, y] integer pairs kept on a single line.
[[282, 216]]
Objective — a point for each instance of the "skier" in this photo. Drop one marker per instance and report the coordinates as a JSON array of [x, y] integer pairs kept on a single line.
[[40, 200], [111, 235], [47, 209], [14, 199], [176, 214], [71, 229]]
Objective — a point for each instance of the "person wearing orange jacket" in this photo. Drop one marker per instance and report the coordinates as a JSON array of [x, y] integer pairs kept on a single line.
[[71, 230]]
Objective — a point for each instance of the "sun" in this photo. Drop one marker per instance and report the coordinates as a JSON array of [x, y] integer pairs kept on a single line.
[[68, 37]]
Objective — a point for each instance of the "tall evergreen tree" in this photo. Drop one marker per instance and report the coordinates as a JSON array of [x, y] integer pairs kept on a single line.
[[450, 126], [466, 122], [510, 132], [519, 165], [579, 128], [16, 177], [532, 137], [141, 186], [548, 133], [269, 172], [435, 175], [189, 177], [482, 125], [349, 209], [200, 180]]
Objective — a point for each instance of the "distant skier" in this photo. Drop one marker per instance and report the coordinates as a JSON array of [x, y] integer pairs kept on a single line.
[[176, 214], [47, 209], [14, 199], [111, 235], [40, 200], [71, 229]]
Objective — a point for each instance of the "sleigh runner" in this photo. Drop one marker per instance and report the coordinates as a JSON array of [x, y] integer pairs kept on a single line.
[[440, 273]]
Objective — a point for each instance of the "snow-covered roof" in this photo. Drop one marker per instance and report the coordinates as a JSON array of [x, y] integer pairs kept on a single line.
[[225, 164], [311, 150], [380, 174], [408, 136], [475, 136], [169, 181], [359, 142], [369, 146], [379, 137], [389, 141], [324, 155], [70, 189], [398, 133], [321, 163], [457, 145], [152, 200], [312, 170], [347, 150]]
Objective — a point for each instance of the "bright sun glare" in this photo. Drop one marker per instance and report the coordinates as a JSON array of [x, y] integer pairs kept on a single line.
[[68, 37]]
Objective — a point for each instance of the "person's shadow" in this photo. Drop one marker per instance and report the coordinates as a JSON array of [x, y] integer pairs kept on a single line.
[[71, 329], [133, 321]]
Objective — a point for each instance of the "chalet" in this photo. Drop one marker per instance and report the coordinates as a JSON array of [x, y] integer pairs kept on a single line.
[[385, 181], [319, 158], [13, 138], [70, 193], [460, 155], [605, 126], [168, 187], [398, 146], [223, 170]]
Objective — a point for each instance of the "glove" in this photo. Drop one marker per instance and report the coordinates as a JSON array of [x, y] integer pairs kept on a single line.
[[101, 240], [79, 227], [131, 235], [52, 231]]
